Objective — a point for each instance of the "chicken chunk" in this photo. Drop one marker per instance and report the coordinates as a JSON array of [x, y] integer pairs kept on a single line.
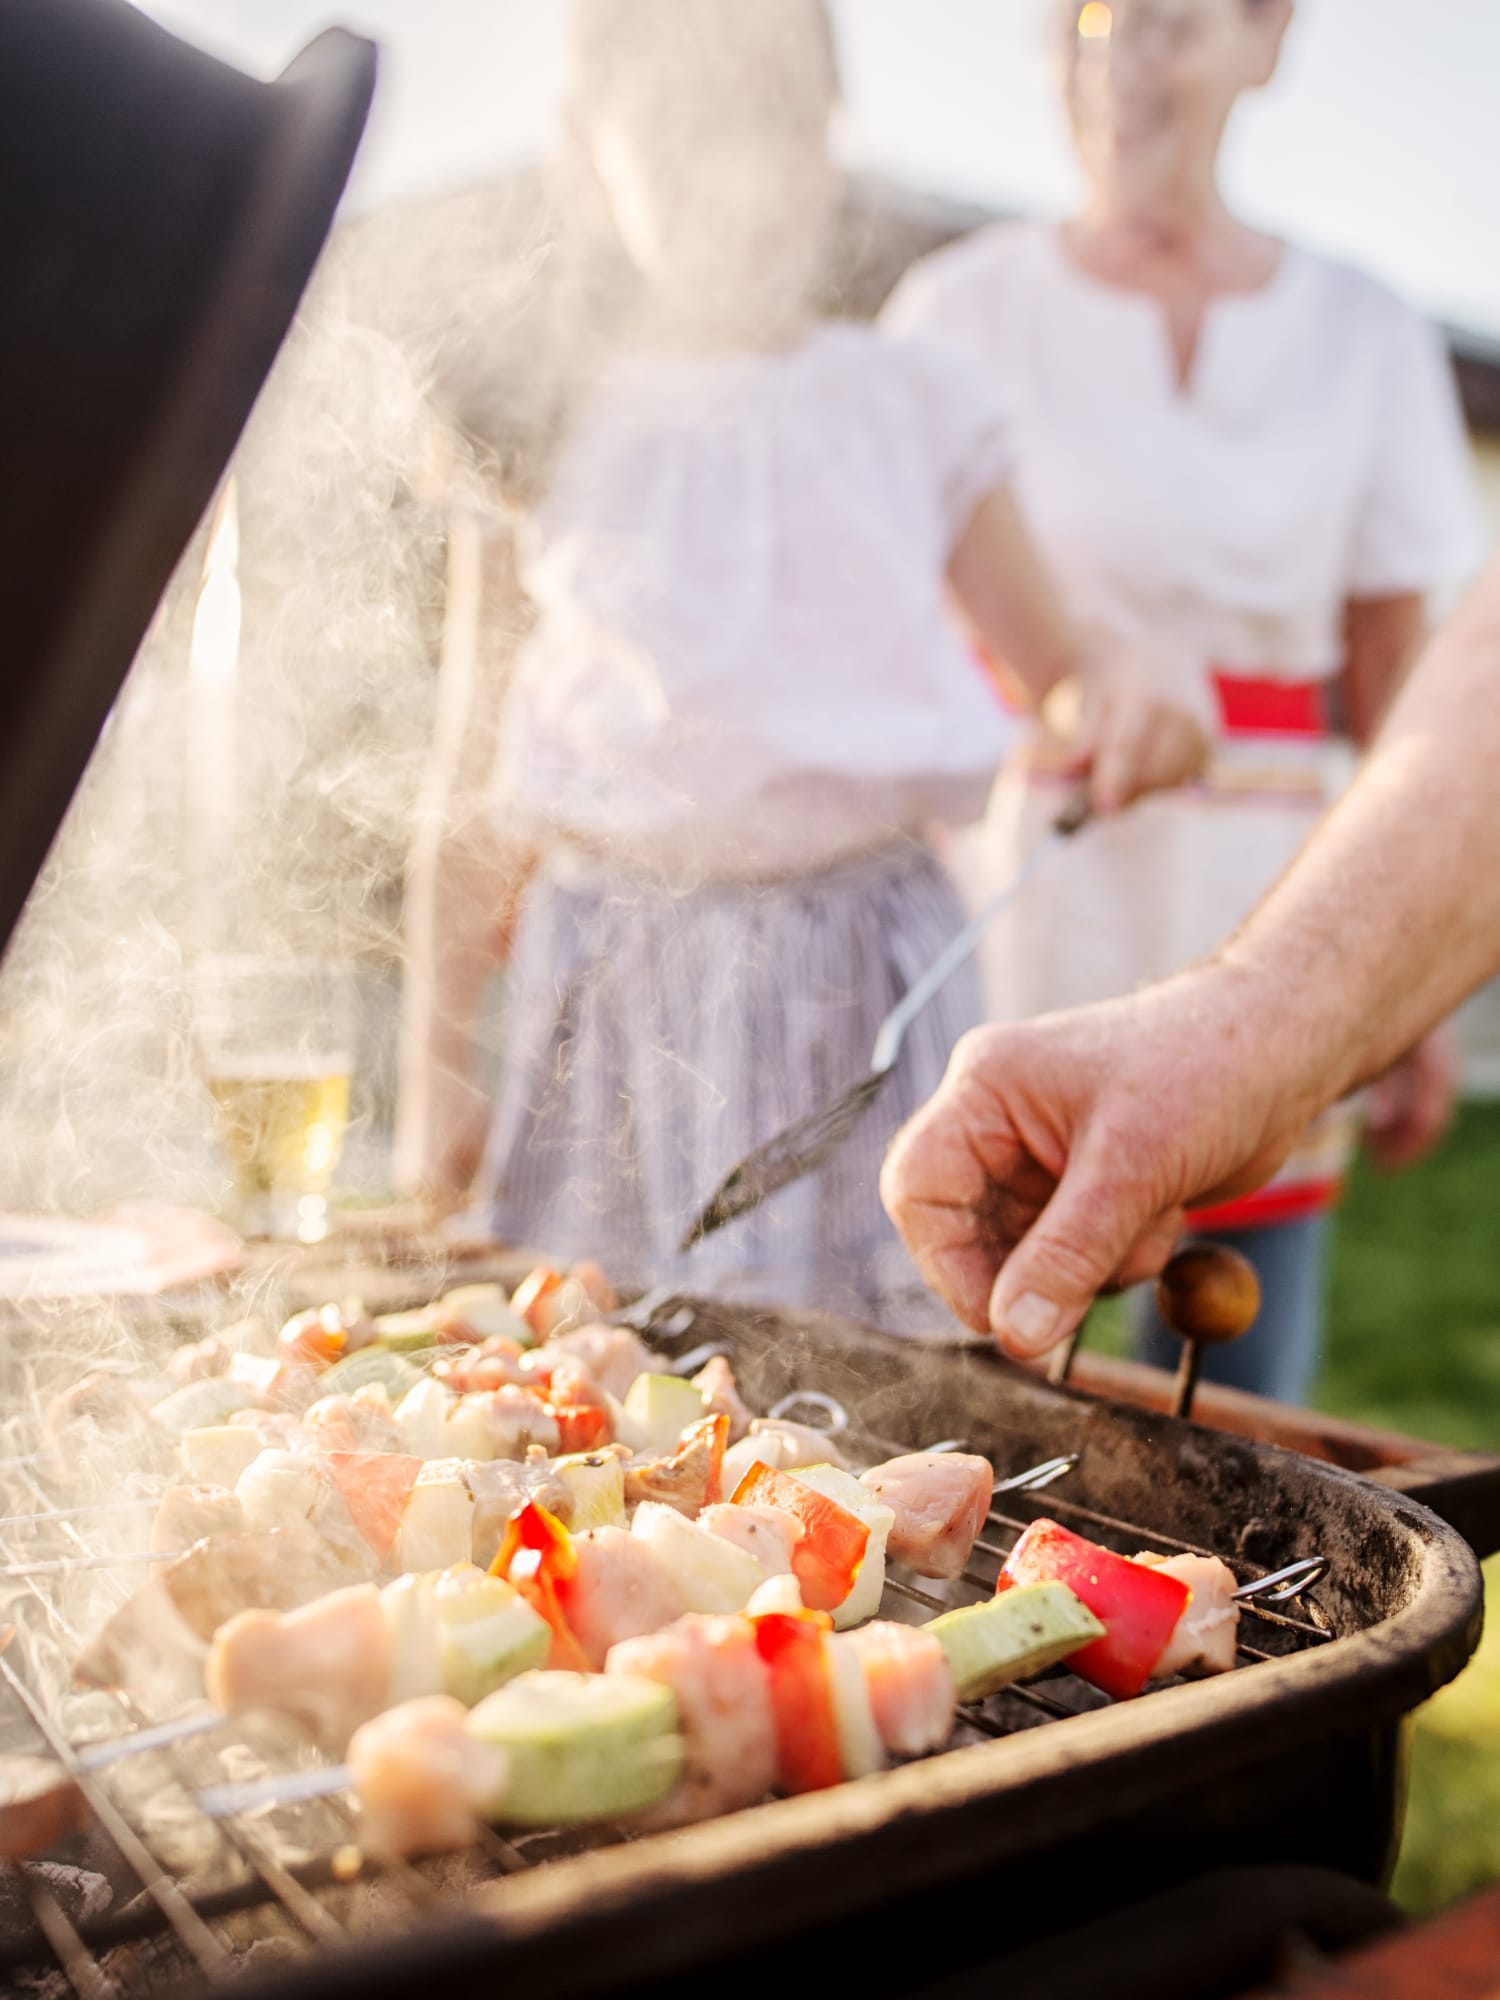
[[940, 1500], [910, 1685], [781, 1445], [424, 1782], [159, 1636], [689, 1478], [721, 1396], [767, 1533], [723, 1692], [327, 1664], [188, 1514], [613, 1355], [1203, 1639], [502, 1423], [621, 1589], [503, 1485], [363, 1421], [491, 1365]]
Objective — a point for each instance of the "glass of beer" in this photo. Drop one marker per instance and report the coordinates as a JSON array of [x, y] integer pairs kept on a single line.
[[276, 1040]]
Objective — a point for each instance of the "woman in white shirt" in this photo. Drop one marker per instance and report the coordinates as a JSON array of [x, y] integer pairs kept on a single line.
[[1248, 457], [743, 697]]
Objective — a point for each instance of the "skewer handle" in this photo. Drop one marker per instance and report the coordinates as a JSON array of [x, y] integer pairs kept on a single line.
[[1208, 1295]]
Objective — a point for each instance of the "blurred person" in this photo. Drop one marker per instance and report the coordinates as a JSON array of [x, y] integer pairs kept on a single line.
[[741, 700], [1059, 1155], [1251, 457]]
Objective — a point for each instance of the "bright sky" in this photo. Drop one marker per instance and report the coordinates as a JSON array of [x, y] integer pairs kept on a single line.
[[1379, 139]]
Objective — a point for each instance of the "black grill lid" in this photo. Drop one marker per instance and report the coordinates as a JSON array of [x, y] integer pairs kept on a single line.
[[162, 214]]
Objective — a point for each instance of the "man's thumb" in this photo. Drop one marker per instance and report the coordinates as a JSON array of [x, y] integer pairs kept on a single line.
[[1072, 1250]]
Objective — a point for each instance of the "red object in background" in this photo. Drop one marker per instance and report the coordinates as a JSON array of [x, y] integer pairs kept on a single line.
[[1138, 1606], [792, 1644], [827, 1558]]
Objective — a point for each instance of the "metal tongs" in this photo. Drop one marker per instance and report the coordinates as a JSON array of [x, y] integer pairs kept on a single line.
[[802, 1148]]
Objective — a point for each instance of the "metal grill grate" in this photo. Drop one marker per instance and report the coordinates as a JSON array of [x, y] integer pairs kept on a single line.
[[295, 1875]]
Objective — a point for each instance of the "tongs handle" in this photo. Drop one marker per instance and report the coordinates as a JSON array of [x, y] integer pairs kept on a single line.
[[892, 1030]]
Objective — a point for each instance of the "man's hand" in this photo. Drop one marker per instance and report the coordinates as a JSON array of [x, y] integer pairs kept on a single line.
[[1057, 1156]]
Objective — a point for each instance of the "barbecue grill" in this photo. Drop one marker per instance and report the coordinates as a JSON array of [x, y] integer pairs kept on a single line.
[[1049, 1793], [1049, 1800]]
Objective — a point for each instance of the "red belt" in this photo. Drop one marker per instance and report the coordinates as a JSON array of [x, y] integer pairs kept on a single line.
[[1253, 705]]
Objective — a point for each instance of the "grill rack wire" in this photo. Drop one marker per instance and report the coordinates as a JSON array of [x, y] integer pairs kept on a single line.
[[314, 1889]]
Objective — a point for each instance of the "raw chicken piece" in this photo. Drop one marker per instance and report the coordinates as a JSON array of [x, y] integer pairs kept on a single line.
[[767, 1533], [723, 1692], [1203, 1638], [188, 1513], [721, 1396], [40, 1805], [425, 1783], [611, 1354], [363, 1421], [571, 1383], [276, 1429], [940, 1499], [503, 1423], [689, 1479], [910, 1684], [501, 1486], [327, 1664], [111, 1401], [596, 1288], [490, 1365], [621, 1589], [160, 1634], [782, 1446]]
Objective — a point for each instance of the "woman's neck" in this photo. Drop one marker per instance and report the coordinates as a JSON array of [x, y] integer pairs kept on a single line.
[[1188, 244]]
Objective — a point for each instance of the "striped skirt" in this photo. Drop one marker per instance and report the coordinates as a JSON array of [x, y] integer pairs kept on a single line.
[[653, 1038]]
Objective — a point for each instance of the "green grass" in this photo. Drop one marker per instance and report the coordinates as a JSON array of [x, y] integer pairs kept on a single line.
[[1414, 1344]]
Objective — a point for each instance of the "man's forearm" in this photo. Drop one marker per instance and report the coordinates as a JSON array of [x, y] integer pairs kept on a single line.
[[1392, 914]]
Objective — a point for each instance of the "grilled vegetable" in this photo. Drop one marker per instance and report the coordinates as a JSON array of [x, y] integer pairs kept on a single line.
[[826, 1560], [198, 1405], [596, 1483], [370, 1364], [1137, 1605], [689, 1478], [581, 1746], [487, 1633], [482, 1312], [657, 1410], [712, 1574], [537, 1558], [808, 1752], [861, 1751], [421, 1416], [438, 1522], [1019, 1633], [863, 1599]]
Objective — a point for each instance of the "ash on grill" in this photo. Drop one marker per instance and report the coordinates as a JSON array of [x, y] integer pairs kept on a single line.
[[156, 1888]]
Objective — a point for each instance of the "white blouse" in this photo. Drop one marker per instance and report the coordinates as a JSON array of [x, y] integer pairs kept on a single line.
[[1317, 453], [743, 664]]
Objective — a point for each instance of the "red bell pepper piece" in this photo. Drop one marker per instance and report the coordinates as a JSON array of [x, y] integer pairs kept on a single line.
[[536, 1300], [581, 1426], [536, 1559], [826, 1560], [807, 1738], [1138, 1606], [375, 1486]]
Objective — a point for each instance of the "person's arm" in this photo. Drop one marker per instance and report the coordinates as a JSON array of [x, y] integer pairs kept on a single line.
[[462, 883], [1127, 734], [1057, 1157]]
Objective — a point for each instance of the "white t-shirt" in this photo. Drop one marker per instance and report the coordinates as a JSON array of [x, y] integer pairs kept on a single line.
[[743, 664], [1316, 454]]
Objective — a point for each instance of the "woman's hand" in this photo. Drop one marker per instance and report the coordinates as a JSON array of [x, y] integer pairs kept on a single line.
[[1411, 1106], [1125, 731]]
